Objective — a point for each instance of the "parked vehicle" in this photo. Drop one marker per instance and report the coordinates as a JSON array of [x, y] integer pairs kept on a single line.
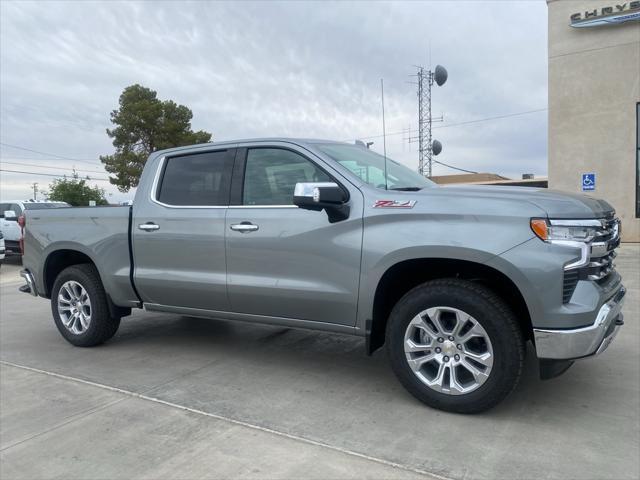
[[10, 213], [2, 248], [331, 236]]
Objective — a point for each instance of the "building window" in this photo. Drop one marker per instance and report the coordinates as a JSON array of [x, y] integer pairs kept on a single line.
[[638, 160]]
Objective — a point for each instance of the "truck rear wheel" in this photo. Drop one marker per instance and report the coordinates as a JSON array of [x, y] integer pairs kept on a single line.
[[79, 307], [455, 345]]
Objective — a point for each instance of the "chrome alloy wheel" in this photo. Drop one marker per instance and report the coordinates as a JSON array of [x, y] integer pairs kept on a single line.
[[74, 307], [448, 350]]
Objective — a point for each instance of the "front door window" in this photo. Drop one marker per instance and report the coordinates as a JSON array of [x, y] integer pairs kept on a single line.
[[271, 175]]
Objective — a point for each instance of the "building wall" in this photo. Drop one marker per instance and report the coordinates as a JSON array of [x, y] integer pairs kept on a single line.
[[594, 85]]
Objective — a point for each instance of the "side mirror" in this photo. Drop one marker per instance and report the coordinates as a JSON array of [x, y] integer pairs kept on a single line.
[[322, 196], [10, 215]]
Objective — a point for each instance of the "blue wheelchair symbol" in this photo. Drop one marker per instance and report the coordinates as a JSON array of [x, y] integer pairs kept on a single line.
[[588, 181]]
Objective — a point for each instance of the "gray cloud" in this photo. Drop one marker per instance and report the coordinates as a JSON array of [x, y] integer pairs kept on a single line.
[[247, 69]]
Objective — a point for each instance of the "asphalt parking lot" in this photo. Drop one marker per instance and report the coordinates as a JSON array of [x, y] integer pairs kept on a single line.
[[176, 397]]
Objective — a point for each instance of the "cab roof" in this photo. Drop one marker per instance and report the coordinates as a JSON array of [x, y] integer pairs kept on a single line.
[[295, 141]]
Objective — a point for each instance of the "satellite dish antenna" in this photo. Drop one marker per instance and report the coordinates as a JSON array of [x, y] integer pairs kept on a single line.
[[436, 147], [441, 75]]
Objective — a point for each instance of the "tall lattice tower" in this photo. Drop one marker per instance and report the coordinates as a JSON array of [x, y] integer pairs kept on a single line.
[[427, 148]]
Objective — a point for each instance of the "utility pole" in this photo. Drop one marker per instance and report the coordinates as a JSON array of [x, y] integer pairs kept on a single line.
[[34, 185], [426, 150]]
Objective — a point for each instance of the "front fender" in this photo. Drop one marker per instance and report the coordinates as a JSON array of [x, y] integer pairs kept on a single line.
[[537, 269], [392, 236], [371, 276]]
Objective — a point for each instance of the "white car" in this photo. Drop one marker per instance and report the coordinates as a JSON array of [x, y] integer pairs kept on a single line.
[[1, 248], [10, 212]]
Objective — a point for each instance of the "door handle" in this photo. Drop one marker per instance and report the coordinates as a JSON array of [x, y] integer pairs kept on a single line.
[[149, 226], [244, 227]]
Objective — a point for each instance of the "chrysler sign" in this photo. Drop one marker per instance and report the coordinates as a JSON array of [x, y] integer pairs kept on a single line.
[[609, 15]]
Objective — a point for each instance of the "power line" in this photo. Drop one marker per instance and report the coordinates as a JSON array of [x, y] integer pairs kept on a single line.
[[455, 168], [469, 122], [51, 175], [508, 115], [48, 154], [478, 120], [46, 166], [32, 157]]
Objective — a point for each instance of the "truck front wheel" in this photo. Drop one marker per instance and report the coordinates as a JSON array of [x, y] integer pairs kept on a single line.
[[455, 345], [79, 307]]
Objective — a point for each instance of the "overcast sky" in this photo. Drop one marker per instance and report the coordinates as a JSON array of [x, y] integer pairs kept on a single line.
[[300, 69]]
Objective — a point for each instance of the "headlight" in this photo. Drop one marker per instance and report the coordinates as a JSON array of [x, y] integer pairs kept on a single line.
[[569, 233], [561, 231]]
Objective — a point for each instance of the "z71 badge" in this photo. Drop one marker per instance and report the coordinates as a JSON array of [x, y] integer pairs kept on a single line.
[[394, 204]]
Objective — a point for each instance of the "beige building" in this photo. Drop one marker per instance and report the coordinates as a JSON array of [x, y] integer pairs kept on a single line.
[[594, 103]]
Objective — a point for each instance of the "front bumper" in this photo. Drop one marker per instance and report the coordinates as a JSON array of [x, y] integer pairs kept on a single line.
[[582, 342]]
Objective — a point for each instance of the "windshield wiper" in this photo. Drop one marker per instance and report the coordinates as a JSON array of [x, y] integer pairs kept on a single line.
[[406, 189]]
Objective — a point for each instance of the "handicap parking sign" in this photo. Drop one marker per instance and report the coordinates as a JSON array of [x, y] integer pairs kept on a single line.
[[588, 181]]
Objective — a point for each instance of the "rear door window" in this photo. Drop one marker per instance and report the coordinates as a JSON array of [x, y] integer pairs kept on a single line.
[[199, 180]]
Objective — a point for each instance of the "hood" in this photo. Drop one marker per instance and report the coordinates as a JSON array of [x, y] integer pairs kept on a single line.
[[555, 203]]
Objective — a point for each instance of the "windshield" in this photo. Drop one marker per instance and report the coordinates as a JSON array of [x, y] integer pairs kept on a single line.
[[369, 166], [42, 206]]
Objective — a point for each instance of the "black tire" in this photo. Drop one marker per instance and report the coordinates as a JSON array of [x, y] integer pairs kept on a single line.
[[490, 312], [101, 327]]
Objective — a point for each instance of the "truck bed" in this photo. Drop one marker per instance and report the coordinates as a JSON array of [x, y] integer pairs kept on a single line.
[[100, 233]]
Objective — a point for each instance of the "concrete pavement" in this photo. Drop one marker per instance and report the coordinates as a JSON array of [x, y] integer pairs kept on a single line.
[[75, 430], [307, 403]]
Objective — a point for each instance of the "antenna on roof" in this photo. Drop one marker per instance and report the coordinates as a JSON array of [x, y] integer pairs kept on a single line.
[[384, 136]]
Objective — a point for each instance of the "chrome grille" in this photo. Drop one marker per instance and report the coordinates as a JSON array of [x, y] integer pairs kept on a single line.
[[603, 252], [598, 262], [600, 268]]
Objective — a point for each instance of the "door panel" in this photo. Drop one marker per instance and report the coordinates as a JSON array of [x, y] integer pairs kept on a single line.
[[295, 264], [178, 240]]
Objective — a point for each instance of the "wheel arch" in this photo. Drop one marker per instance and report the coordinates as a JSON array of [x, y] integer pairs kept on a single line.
[[57, 260], [404, 275]]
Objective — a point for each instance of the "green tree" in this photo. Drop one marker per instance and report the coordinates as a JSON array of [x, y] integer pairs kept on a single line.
[[75, 191], [144, 124]]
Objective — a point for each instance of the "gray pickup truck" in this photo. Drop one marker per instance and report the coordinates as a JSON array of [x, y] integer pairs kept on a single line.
[[330, 236]]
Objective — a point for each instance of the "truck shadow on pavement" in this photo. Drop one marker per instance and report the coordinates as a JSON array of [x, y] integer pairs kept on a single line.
[[294, 353]]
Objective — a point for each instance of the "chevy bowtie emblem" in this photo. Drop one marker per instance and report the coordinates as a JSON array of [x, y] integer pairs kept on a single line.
[[394, 204]]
